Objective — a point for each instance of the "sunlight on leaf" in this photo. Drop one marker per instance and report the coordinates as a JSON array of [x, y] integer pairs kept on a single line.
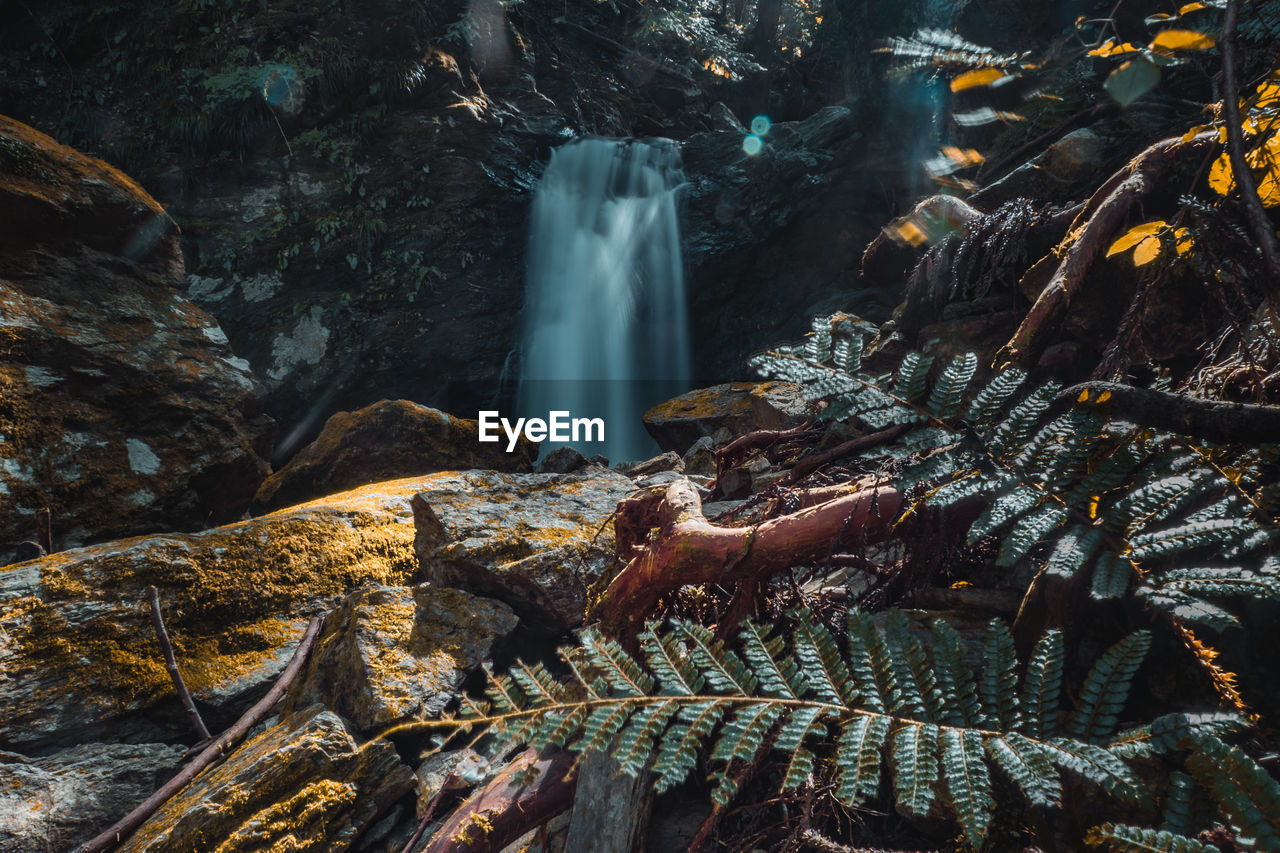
[[1110, 48], [1264, 162], [1182, 40], [1146, 252], [975, 78], [1134, 236], [1132, 80]]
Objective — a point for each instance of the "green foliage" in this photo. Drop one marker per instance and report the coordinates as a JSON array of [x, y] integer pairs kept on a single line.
[[1112, 502], [884, 700]]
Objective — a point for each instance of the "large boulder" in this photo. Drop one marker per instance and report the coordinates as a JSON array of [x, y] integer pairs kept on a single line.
[[122, 408], [738, 407], [78, 656], [55, 802], [303, 784], [386, 441], [535, 541], [392, 654]]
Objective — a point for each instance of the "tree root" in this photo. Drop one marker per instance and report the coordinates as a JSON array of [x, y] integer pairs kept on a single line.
[[225, 743], [1214, 420], [687, 549], [812, 463], [509, 806], [1093, 231], [731, 453]]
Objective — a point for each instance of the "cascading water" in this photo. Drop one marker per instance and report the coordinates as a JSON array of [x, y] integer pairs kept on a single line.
[[605, 322]]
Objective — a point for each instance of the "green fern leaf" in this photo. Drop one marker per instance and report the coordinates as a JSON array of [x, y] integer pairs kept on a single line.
[[558, 728], [911, 673], [820, 661], [972, 483], [948, 393], [1136, 839], [1027, 767], [869, 661], [915, 767], [1178, 804], [678, 751], [799, 769], [991, 400], [1097, 765], [537, 684], [1165, 734], [1004, 510], [1030, 530], [955, 678], [999, 684], [818, 347], [1076, 547], [913, 377], [859, 758], [1013, 432], [1220, 582], [602, 724], [743, 736], [1110, 474], [1184, 537], [723, 669], [675, 671], [1042, 686], [624, 675], [968, 783], [800, 724], [1159, 499], [1110, 576], [1106, 688], [1241, 787], [773, 666], [635, 744], [1190, 609], [502, 691]]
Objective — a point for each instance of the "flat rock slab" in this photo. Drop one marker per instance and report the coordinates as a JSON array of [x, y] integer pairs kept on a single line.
[[388, 440], [739, 407], [392, 654], [303, 784], [56, 802], [78, 654], [122, 406], [534, 541]]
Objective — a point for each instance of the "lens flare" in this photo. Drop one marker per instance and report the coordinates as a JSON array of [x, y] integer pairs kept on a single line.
[[752, 144], [281, 86], [760, 126]]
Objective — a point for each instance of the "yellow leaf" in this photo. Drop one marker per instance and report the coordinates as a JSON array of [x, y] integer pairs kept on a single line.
[[1221, 178], [963, 157], [1148, 250], [1192, 7], [909, 232], [1084, 396], [1093, 506], [1182, 240], [1104, 396], [1110, 48], [1134, 236], [961, 585], [977, 77], [1181, 40]]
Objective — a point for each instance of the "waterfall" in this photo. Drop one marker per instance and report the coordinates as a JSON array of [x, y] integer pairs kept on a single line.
[[605, 323]]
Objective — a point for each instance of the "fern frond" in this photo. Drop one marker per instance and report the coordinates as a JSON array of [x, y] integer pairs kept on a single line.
[[821, 664], [859, 758], [1004, 510], [1042, 686], [1097, 765], [1024, 762], [948, 394], [1178, 804], [635, 744], [1076, 548], [999, 683], [619, 669], [1242, 788], [678, 751], [869, 663], [1111, 574], [911, 672], [968, 783], [802, 723], [1184, 537], [1106, 688], [912, 380], [676, 673], [915, 762], [765, 654], [1135, 839], [723, 669], [955, 678], [1011, 434], [1030, 530], [991, 400]]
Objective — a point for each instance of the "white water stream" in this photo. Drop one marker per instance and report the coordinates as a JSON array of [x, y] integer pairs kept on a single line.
[[605, 319]]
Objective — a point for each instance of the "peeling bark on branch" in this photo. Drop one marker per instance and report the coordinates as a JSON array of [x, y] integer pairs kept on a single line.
[[1094, 230], [687, 549]]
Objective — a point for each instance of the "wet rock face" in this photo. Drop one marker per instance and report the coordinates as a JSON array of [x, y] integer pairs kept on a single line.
[[389, 440], [122, 408], [303, 784], [534, 541], [392, 654], [58, 801], [78, 655]]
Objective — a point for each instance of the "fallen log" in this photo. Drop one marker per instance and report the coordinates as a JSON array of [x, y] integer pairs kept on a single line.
[[1215, 420]]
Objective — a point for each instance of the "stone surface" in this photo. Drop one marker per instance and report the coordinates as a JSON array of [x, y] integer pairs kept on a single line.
[[51, 804], [739, 407], [534, 541], [122, 408], [388, 440], [1068, 169], [392, 654], [77, 652], [303, 784], [669, 461]]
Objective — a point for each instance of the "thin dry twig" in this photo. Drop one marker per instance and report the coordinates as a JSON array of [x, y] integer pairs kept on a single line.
[[171, 664], [229, 739]]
